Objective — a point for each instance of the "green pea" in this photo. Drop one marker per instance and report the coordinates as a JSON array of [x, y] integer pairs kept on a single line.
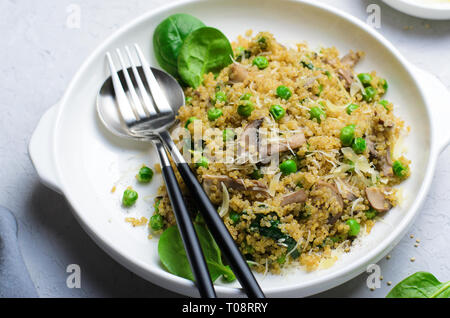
[[156, 222], [188, 100], [203, 162], [351, 108], [317, 113], [281, 260], [359, 145], [260, 62], [214, 113], [256, 174], [347, 135], [235, 217], [246, 109], [284, 92], [384, 84], [190, 121], [307, 65], [246, 96], [365, 79], [354, 227], [288, 167], [371, 214], [129, 197], [400, 170], [145, 175], [228, 135], [277, 112], [369, 94], [385, 104], [221, 97]]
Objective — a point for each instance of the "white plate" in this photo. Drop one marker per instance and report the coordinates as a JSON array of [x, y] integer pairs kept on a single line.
[[73, 154], [426, 9]]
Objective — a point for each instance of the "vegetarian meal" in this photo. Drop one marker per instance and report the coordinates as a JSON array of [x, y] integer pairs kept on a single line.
[[312, 149]]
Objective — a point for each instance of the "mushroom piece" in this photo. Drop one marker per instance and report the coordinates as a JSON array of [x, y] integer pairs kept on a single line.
[[293, 142], [386, 164], [377, 199], [238, 73], [347, 76], [332, 219], [351, 59], [255, 185], [248, 142], [295, 197], [371, 147], [345, 190], [249, 138], [334, 191]]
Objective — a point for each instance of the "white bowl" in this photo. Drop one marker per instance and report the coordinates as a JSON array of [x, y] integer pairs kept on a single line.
[[74, 155], [426, 9]]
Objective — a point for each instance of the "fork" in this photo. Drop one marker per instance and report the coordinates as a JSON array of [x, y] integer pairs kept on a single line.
[[133, 114], [148, 120]]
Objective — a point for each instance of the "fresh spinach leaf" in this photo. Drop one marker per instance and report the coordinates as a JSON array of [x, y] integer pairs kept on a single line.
[[173, 255], [204, 50], [420, 285], [274, 232], [169, 37]]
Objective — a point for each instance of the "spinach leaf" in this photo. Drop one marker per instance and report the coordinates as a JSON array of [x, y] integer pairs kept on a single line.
[[204, 50], [173, 255], [274, 232], [169, 37], [420, 285]]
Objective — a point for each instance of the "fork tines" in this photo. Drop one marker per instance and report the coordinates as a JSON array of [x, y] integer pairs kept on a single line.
[[137, 105]]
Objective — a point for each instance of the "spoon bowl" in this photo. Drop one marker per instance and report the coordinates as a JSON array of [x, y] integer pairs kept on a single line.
[[107, 109]]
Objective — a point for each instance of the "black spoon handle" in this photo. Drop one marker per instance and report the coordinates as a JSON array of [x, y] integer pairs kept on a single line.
[[187, 231], [215, 223]]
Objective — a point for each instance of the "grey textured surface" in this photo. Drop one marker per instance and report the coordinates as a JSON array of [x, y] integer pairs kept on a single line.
[[15, 281], [39, 56]]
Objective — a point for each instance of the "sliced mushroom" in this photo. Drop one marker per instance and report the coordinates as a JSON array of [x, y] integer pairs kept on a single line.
[[334, 190], [295, 197], [346, 191], [293, 142], [351, 59], [238, 73], [386, 164], [332, 219], [377, 199], [248, 143], [371, 147], [249, 138], [255, 185], [346, 75]]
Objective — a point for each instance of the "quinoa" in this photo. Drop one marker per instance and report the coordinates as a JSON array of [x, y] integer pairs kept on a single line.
[[270, 233]]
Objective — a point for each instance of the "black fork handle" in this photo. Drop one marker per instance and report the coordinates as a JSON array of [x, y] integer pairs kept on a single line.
[[214, 222], [221, 234], [187, 231]]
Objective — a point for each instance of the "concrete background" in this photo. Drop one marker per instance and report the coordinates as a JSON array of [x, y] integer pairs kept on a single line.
[[40, 54]]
